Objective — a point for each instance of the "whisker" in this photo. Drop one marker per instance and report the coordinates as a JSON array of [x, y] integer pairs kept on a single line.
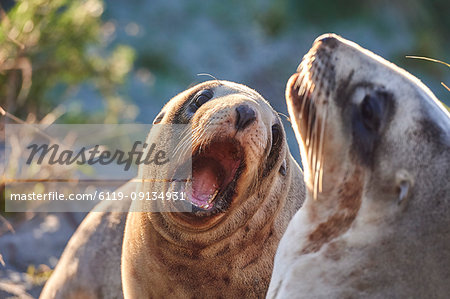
[[315, 159], [310, 114], [182, 143], [324, 118], [285, 116], [209, 75]]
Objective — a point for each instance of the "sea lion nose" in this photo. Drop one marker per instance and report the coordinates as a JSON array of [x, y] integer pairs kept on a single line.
[[245, 116], [330, 40]]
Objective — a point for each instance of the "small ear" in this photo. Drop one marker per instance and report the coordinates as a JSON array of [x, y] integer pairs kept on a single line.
[[159, 117], [404, 182], [283, 168], [404, 191]]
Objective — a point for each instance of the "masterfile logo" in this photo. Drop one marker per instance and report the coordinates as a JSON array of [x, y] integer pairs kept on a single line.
[[74, 167]]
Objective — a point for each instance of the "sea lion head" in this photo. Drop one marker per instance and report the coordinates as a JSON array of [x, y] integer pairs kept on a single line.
[[238, 148], [363, 123]]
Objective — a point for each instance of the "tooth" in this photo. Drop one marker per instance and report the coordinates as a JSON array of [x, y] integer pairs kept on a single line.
[[212, 196]]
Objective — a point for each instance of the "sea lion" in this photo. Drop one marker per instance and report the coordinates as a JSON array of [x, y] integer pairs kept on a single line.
[[90, 264], [374, 143], [245, 188]]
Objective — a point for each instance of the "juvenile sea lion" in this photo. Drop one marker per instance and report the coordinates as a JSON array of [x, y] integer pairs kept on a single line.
[[245, 189], [374, 143], [90, 264]]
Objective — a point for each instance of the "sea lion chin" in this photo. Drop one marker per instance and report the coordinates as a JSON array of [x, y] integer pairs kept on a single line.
[[374, 143], [244, 189]]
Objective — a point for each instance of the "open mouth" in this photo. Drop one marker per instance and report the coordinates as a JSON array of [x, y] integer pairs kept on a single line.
[[215, 171]]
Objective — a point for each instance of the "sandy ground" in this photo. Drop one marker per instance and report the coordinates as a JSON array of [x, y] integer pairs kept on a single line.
[[32, 250]]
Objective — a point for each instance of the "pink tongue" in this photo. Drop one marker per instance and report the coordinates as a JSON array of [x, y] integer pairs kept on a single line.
[[205, 183]]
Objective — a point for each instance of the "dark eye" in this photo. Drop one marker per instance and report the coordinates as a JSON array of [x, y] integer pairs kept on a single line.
[[202, 97], [369, 118], [277, 141], [276, 135], [366, 108], [158, 118], [370, 109]]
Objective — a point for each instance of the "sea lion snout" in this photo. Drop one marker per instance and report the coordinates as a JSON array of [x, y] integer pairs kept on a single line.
[[329, 40]]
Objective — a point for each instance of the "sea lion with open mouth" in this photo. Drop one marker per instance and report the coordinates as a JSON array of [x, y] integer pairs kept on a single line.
[[374, 143], [244, 189]]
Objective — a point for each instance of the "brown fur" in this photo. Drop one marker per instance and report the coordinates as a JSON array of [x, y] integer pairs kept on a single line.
[[349, 201], [229, 254], [90, 264]]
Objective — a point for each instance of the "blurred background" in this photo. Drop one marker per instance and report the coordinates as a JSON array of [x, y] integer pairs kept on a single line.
[[93, 61]]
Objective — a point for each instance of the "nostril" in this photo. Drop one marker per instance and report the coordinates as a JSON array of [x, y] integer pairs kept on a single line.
[[330, 40], [245, 116]]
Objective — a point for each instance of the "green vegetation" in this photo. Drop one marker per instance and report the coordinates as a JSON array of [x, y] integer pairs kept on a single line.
[[49, 48]]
